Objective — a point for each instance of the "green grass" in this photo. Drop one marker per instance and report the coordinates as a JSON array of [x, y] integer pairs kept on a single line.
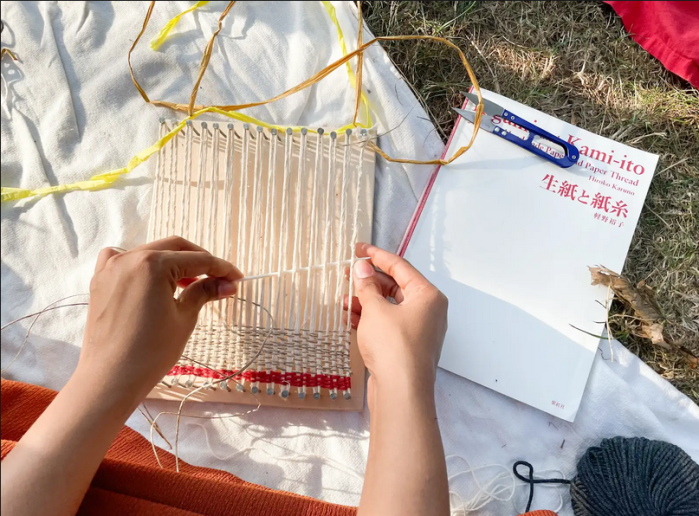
[[573, 60]]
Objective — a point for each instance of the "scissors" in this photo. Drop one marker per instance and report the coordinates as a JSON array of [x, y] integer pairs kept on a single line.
[[493, 111]]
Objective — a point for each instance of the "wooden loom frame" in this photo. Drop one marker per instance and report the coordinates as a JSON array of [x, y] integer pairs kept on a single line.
[[189, 212]]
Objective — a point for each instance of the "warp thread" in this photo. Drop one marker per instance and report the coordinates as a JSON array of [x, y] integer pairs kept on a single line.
[[636, 477]]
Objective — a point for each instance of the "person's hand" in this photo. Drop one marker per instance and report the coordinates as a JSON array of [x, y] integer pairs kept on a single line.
[[400, 343], [136, 329]]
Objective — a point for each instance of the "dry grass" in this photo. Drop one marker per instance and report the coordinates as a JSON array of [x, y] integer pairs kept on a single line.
[[574, 60]]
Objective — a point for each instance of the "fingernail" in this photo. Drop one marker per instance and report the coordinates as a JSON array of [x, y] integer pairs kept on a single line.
[[226, 288], [363, 269]]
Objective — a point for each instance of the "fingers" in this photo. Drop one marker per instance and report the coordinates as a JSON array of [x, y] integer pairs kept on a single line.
[[404, 274], [104, 256], [367, 284], [356, 304], [355, 320], [389, 287], [185, 282], [172, 243], [190, 264], [196, 295]]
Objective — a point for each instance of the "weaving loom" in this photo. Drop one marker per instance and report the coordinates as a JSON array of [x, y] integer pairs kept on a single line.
[[287, 209]]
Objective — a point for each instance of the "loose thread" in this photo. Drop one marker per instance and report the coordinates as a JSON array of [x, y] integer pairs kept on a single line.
[[7, 52], [609, 329], [36, 316], [529, 479], [149, 418], [193, 110], [292, 458], [358, 52], [179, 414]]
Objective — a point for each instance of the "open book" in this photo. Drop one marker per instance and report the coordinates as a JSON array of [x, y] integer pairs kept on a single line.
[[508, 237]]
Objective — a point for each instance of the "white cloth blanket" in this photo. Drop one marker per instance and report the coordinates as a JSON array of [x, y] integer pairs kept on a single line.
[[69, 110]]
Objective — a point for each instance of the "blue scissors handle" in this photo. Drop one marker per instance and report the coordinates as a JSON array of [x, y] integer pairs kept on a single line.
[[571, 152]]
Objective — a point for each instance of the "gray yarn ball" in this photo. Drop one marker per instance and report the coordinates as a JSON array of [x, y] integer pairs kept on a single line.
[[635, 477]]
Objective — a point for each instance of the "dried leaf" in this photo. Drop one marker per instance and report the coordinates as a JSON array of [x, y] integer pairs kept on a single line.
[[640, 299]]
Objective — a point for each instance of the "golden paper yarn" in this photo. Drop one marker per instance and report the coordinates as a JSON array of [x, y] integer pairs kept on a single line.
[[104, 180]]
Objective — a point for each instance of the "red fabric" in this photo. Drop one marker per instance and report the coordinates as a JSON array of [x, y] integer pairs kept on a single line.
[[129, 481], [668, 31]]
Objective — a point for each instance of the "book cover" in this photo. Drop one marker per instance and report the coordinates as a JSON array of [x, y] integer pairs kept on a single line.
[[509, 237]]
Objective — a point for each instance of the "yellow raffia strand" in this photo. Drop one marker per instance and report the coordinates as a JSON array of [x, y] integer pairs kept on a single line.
[[330, 8], [162, 35], [104, 180], [231, 111]]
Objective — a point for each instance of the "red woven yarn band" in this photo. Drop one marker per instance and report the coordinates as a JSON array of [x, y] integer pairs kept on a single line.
[[294, 379]]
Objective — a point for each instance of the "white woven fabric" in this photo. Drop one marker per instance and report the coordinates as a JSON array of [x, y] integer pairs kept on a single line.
[[71, 111]]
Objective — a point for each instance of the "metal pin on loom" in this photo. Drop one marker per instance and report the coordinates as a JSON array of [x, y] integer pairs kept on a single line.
[[284, 393], [255, 389], [240, 387], [347, 394]]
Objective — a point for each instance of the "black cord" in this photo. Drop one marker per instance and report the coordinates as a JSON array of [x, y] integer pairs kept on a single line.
[[531, 480]]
